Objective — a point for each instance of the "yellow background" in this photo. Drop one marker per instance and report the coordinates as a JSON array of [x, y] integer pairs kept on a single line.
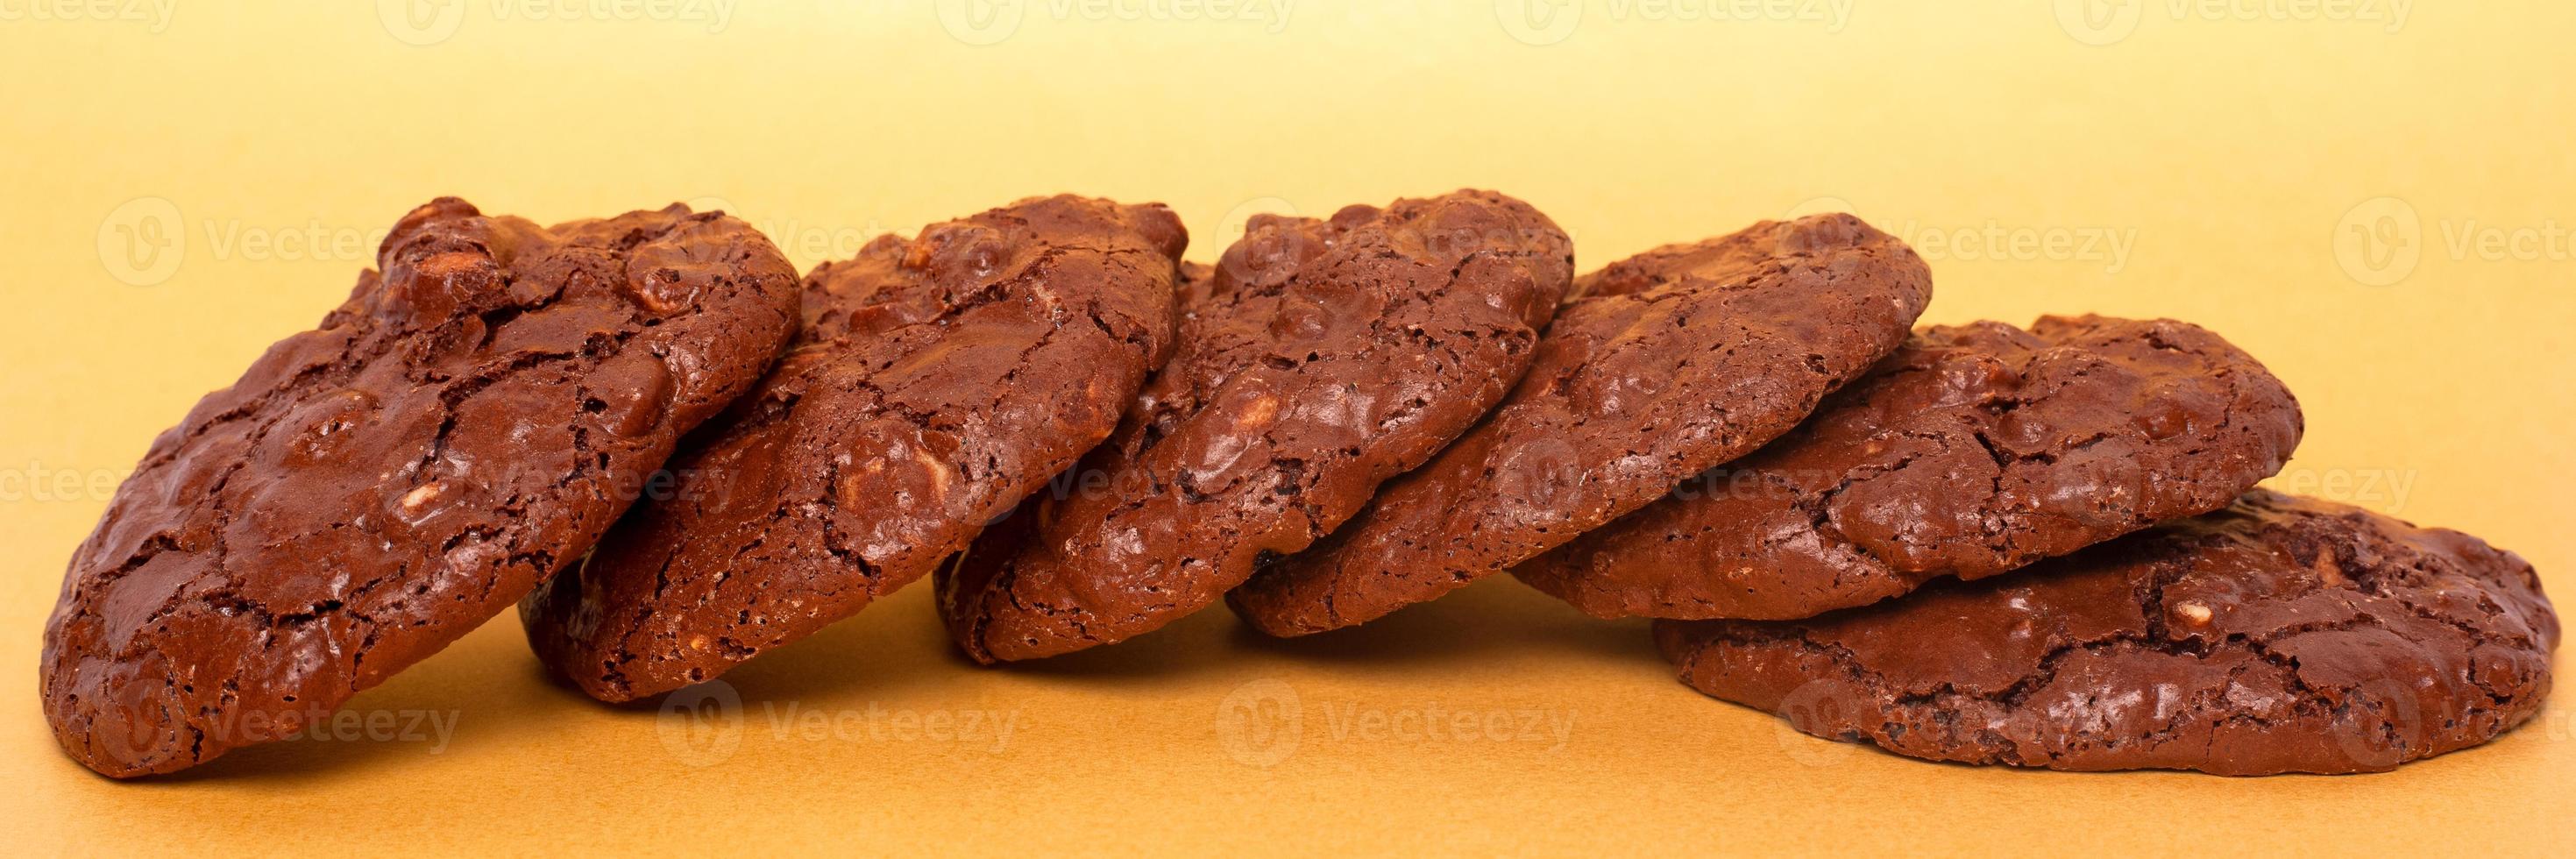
[[2265, 168]]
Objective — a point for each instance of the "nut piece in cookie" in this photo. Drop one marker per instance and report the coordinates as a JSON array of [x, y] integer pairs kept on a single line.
[[1317, 360], [938, 381], [1664, 364], [1973, 450], [469, 420], [2281, 634]]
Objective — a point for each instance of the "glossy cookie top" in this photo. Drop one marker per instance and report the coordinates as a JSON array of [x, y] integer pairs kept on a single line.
[[939, 380], [466, 422], [2281, 634], [1665, 364], [1973, 450], [1319, 358]]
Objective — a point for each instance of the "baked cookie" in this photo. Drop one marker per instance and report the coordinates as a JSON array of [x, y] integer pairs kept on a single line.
[[1973, 450], [1319, 359], [1665, 364], [465, 423], [2282, 634], [937, 382]]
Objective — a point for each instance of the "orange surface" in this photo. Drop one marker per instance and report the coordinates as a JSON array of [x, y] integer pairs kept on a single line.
[[2374, 204]]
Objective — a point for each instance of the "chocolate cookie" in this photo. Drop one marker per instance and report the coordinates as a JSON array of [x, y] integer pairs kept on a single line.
[[1973, 450], [2281, 634], [1665, 364], [937, 382], [370, 490], [1319, 359]]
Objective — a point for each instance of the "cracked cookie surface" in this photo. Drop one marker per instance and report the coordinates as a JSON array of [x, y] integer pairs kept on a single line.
[[1975, 449], [937, 381], [2280, 634], [1318, 359], [467, 421], [1662, 365]]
